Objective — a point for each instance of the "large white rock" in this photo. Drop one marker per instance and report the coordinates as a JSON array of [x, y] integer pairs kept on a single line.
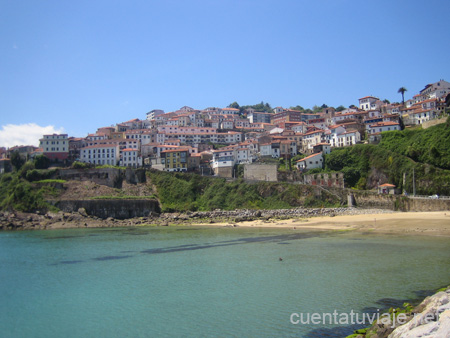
[[432, 322]]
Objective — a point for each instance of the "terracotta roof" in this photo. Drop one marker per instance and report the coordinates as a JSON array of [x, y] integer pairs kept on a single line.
[[382, 124], [387, 185], [308, 157], [367, 97]]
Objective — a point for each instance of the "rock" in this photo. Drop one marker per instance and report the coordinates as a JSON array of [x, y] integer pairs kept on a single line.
[[82, 212], [433, 321]]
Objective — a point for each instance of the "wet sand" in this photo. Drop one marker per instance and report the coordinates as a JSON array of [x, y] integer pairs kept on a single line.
[[413, 223]]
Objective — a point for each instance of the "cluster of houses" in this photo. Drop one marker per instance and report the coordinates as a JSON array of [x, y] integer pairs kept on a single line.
[[214, 140]]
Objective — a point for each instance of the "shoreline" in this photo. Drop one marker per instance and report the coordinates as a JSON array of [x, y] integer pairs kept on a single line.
[[435, 223]]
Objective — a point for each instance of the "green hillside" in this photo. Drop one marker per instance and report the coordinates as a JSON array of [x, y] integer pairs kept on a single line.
[[424, 152], [184, 192], [430, 145]]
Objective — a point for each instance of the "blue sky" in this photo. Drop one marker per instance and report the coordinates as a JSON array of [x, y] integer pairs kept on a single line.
[[79, 65]]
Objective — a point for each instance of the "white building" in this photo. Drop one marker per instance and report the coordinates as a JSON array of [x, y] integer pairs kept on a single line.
[[368, 102], [223, 161], [435, 90], [131, 158], [420, 116], [231, 111], [383, 126], [311, 162], [243, 155], [55, 146], [100, 154], [345, 139], [151, 115]]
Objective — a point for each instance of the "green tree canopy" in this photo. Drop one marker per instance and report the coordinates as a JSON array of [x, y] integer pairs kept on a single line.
[[16, 160], [234, 105], [41, 162]]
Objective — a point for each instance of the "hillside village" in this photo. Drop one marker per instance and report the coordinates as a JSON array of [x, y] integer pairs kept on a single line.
[[214, 140]]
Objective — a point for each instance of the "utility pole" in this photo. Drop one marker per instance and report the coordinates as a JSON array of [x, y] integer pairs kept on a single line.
[[404, 183], [414, 183]]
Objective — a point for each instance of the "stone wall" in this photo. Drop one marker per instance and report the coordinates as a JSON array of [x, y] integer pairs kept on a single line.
[[423, 204], [111, 177], [261, 172], [120, 209], [332, 180], [290, 176], [368, 199]]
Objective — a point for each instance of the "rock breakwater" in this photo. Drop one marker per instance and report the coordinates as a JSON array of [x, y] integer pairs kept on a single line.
[[81, 218]]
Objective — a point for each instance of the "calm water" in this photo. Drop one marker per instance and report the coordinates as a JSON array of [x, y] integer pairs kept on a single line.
[[186, 282]]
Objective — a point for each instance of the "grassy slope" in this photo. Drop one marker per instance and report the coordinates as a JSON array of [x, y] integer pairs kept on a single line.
[[425, 151], [182, 192]]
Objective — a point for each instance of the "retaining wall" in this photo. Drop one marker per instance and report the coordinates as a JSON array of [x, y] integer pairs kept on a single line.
[[365, 199], [120, 209]]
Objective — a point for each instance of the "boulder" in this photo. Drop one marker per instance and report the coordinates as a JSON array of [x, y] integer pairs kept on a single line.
[[433, 321], [82, 212]]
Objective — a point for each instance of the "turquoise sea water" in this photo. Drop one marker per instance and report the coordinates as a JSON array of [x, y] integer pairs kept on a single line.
[[207, 282]]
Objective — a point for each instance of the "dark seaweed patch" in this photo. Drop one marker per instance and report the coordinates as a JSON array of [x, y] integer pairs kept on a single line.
[[109, 258], [71, 262]]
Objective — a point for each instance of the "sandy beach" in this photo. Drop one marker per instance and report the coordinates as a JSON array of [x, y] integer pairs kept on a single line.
[[414, 223], [372, 220]]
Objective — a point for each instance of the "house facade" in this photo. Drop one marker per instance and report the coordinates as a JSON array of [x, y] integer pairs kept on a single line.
[[100, 154], [130, 158], [310, 162], [175, 160], [55, 146]]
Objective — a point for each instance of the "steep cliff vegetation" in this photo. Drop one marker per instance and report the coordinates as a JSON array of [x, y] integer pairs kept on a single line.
[[426, 153], [17, 193], [183, 192], [431, 146]]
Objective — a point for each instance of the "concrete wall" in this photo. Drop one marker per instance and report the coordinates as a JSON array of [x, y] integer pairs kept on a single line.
[[261, 172], [120, 209], [431, 123], [423, 204], [366, 199], [226, 172]]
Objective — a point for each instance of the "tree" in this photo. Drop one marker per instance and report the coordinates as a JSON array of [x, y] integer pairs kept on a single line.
[[234, 105], [340, 108], [402, 91], [41, 162], [297, 107], [16, 160]]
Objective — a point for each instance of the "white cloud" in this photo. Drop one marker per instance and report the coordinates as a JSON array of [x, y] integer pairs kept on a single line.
[[25, 134]]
